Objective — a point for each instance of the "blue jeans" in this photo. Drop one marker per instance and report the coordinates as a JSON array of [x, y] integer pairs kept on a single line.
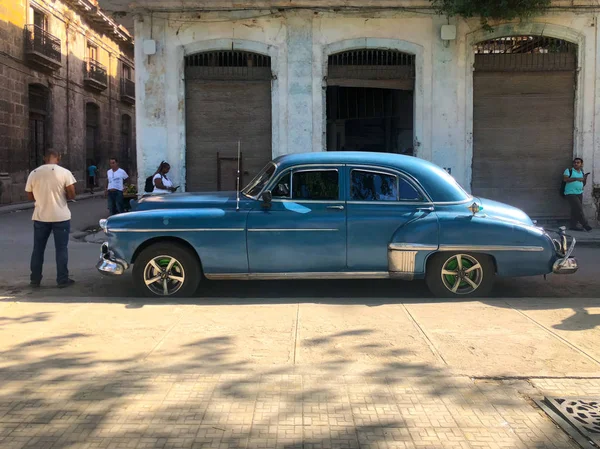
[[115, 202], [41, 233]]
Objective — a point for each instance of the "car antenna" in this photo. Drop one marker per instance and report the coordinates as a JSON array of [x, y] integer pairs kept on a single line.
[[237, 206]]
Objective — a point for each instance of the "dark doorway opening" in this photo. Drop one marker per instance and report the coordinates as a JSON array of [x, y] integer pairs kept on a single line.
[[369, 119], [370, 101], [92, 124]]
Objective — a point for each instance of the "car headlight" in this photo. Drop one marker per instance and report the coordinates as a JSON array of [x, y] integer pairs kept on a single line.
[[103, 224]]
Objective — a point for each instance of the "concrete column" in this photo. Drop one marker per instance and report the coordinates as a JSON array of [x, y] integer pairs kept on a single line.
[[151, 120], [299, 83], [593, 210], [447, 139]]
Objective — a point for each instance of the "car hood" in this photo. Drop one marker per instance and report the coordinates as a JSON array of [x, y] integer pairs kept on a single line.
[[504, 212], [186, 201]]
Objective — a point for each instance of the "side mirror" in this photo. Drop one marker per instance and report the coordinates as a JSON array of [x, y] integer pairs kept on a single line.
[[267, 197]]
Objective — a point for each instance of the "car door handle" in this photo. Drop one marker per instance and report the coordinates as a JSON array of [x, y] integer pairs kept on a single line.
[[340, 207], [426, 209]]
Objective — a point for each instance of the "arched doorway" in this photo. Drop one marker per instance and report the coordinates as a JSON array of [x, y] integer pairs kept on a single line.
[[370, 101], [92, 132], [38, 124], [523, 121], [228, 99]]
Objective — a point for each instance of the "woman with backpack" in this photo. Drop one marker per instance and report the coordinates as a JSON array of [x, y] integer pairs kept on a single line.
[[160, 182]]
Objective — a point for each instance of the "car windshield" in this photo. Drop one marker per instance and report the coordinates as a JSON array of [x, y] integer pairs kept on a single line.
[[260, 181]]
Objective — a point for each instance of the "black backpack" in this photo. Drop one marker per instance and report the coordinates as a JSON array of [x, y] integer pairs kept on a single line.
[[149, 187], [562, 184]]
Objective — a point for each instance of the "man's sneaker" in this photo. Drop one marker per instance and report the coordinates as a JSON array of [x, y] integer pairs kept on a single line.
[[66, 284], [33, 284], [588, 228]]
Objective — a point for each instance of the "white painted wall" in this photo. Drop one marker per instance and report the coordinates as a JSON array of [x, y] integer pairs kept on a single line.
[[299, 43]]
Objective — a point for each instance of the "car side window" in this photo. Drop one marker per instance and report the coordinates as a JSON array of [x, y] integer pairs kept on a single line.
[[407, 192], [320, 185], [281, 189], [373, 186]]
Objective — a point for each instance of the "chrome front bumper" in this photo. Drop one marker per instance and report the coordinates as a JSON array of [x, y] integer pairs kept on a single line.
[[109, 264], [565, 264]]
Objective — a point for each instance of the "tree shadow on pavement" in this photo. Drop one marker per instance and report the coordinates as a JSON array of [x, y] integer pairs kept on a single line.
[[204, 394]]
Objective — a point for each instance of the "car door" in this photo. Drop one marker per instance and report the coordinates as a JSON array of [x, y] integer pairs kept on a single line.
[[380, 201], [304, 229]]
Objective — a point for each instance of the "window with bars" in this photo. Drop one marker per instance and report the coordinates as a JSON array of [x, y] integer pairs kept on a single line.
[[228, 64], [372, 57], [371, 65], [525, 53]]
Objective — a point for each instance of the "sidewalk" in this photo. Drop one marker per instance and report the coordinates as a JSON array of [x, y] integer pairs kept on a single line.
[[589, 239], [187, 411], [9, 208]]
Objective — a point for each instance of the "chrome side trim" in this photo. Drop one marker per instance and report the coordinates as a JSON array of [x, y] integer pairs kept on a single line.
[[286, 200], [478, 248], [401, 261], [180, 230], [292, 230], [393, 203], [280, 276], [452, 203], [411, 247]]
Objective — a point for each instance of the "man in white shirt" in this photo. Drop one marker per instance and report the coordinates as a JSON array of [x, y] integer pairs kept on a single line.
[[50, 186], [114, 189]]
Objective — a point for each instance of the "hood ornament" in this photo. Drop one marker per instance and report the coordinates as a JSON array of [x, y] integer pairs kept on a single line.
[[475, 208]]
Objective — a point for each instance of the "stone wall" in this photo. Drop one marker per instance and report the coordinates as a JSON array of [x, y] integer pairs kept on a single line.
[[299, 43], [68, 94]]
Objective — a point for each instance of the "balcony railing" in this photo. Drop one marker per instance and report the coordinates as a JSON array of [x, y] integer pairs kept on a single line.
[[95, 75], [41, 47], [127, 91]]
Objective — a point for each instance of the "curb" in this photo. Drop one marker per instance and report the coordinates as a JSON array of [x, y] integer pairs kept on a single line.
[[18, 207], [588, 244]]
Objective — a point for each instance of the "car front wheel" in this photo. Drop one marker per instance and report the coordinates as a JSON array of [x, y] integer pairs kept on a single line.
[[460, 275], [166, 269]]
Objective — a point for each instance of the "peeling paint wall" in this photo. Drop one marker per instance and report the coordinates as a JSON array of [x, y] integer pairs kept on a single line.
[[299, 43]]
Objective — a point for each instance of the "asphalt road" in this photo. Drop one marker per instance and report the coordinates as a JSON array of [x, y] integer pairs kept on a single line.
[[16, 243]]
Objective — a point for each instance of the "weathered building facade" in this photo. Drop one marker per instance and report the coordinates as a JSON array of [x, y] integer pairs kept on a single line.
[[66, 82], [504, 111]]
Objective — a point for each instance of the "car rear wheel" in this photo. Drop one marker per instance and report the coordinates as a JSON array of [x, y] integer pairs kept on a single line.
[[166, 269], [460, 275]]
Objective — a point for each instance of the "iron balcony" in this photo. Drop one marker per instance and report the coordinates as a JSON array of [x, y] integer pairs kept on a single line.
[[127, 91], [42, 48], [95, 75]]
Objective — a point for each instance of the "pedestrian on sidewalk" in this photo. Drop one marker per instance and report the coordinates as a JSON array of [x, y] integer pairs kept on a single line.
[[115, 186], [50, 186], [162, 184], [575, 179], [92, 172]]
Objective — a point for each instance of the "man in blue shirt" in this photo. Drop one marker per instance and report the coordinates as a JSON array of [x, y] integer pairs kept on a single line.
[[575, 180], [92, 172]]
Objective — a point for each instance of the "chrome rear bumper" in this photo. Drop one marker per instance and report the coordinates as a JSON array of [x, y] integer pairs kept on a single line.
[[109, 264], [566, 264]]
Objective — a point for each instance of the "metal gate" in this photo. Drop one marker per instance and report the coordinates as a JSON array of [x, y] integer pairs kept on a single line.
[[228, 98], [386, 69], [523, 121]]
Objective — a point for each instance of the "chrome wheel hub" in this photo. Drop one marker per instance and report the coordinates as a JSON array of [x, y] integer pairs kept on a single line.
[[164, 275], [462, 274]]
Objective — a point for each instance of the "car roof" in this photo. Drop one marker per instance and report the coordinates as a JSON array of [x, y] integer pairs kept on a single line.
[[350, 157], [437, 182]]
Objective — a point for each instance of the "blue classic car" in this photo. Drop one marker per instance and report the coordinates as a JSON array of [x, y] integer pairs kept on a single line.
[[332, 215]]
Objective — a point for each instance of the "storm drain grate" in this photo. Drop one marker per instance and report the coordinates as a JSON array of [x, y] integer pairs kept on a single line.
[[581, 413]]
